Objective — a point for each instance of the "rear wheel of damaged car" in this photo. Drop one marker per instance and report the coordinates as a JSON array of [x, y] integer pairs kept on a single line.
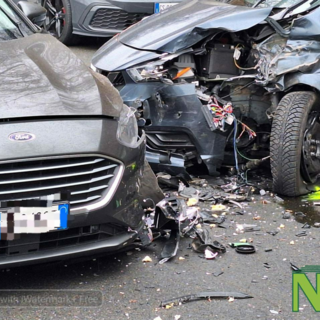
[[295, 144], [59, 20]]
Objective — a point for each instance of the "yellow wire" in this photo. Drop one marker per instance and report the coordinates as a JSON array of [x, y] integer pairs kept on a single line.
[[235, 62]]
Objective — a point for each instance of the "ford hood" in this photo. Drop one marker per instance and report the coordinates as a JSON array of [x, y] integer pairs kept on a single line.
[[39, 76]]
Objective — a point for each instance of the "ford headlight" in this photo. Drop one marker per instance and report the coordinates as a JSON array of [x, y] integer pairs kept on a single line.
[[127, 132]]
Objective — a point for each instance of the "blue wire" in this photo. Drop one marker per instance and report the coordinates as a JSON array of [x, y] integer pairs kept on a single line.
[[234, 143]]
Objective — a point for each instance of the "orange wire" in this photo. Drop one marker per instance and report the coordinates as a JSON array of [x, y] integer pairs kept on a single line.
[[181, 73]]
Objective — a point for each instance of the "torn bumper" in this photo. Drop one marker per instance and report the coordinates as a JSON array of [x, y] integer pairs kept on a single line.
[[174, 123]]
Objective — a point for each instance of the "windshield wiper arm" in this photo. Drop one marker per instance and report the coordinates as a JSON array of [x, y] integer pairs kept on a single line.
[[16, 22], [289, 9], [257, 3]]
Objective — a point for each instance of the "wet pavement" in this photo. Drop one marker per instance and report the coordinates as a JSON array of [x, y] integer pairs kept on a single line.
[[132, 289]]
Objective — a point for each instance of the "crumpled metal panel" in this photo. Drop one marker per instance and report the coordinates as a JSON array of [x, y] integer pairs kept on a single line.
[[288, 61], [189, 22]]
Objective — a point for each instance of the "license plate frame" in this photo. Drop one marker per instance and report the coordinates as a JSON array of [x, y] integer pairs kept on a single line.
[[21, 217]]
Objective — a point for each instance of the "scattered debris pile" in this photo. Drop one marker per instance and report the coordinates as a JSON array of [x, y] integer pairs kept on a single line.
[[193, 208]]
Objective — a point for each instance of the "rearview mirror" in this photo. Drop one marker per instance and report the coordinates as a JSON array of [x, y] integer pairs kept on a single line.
[[34, 11]]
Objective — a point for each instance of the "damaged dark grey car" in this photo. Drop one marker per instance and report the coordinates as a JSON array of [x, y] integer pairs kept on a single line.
[[73, 170], [225, 85]]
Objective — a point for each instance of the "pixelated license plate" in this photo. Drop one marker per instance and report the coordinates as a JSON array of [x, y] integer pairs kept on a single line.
[[33, 219], [159, 7]]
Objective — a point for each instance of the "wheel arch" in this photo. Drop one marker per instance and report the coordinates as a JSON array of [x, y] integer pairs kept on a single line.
[[302, 82]]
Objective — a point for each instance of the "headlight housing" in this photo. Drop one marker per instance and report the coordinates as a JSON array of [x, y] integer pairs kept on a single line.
[[155, 70], [146, 72], [127, 132]]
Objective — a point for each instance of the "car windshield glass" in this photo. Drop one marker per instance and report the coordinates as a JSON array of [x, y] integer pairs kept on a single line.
[[11, 25]]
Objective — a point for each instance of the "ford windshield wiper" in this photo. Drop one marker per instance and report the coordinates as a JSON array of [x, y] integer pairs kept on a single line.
[[15, 21]]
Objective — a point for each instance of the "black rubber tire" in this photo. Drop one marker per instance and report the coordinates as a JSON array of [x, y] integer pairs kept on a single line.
[[66, 36], [288, 127]]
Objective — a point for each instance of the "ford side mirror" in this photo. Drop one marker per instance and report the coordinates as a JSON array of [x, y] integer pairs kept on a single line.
[[34, 11]]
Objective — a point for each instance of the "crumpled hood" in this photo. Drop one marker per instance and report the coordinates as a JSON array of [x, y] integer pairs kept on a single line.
[[189, 22], [120, 57], [39, 76]]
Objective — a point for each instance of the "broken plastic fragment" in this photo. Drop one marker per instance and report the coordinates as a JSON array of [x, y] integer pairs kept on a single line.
[[231, 299], [218, 207], [286, 215], [146, 259], [262, 192], [204, 241], [236, 244], [278, 200], [192, 201], [293, 267], [301, 234], [273, 233], [192, 212], [171, 247], [209, 255], [247, 228], [299, 214], [204, 295], [243, 240]]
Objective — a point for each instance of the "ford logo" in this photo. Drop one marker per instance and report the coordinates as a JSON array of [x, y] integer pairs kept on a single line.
[[21, 136]]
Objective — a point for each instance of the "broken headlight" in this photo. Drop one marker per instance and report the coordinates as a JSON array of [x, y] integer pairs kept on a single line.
[[127, 132], [146, 72]]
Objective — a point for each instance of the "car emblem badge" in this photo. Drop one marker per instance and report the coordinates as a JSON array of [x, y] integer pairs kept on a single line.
[[21, 136]]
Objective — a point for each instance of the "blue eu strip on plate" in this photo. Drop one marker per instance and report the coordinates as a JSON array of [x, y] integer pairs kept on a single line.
[[157, 7], [64, 211]]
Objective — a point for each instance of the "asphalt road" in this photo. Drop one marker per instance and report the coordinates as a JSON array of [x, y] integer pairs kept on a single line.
[[87, 47], [132, 289]]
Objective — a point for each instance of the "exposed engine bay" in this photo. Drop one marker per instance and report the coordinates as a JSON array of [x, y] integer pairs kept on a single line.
[[237, 109]]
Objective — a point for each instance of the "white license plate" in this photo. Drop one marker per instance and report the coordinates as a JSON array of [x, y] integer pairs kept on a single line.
[[17, 220], [159, 7]]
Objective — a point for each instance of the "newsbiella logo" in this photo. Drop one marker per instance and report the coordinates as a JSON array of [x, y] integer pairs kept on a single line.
[[301, 281]]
